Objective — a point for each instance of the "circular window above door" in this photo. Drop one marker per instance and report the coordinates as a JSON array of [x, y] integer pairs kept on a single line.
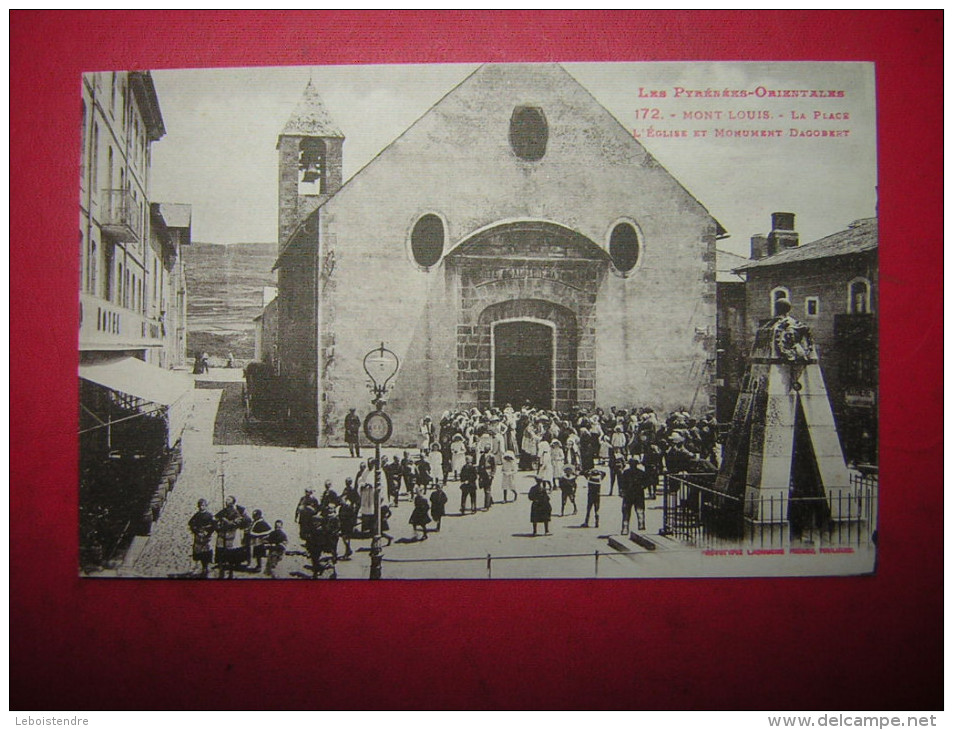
[[529, 133]]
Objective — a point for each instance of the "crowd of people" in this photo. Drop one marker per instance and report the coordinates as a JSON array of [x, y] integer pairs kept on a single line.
[[630, 447], [484, 451]]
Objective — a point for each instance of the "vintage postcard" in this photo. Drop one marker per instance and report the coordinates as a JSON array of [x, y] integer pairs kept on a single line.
[[612, 320]]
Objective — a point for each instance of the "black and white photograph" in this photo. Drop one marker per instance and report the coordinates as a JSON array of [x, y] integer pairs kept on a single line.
[[479, 321]]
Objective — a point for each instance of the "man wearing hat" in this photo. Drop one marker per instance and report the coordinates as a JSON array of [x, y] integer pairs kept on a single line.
[[308, 507], [632, 483], [677, 458], [594, 492], [468, 479], [651, 458], [202, 527], [352, 430], [486, 471], [328, 496]]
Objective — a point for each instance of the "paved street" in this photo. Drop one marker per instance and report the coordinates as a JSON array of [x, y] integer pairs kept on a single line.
[[272, 478]]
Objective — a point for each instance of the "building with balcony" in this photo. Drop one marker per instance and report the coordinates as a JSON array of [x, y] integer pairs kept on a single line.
[[831, 284], [118, 284], [131, 313]]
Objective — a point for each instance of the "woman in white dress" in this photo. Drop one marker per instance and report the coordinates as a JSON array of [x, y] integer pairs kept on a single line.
[[618, 443], [458, 455], [528, 446], [544, 471], [572, 448], [426, 434], [509, 418], [470, 442], [601, 440], [499, 442], [558, 457], [436, 466]]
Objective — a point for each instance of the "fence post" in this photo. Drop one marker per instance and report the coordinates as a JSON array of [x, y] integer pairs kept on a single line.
[[830, 525], [489, 566], [849, 519], [665, 528], [840, 516]]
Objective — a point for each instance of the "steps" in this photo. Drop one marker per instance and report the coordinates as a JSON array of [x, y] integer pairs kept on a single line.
[[640, 543]]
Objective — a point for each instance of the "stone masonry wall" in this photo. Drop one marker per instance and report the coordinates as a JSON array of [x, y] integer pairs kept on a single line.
[[646, 337]]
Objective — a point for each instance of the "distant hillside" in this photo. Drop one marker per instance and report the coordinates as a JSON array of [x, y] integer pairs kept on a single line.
[[225, 284]]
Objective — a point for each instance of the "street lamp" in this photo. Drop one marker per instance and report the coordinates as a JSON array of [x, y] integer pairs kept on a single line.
[[381, 366]]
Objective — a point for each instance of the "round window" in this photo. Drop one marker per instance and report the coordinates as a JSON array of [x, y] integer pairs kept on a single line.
[[426, 240], [528, 133], [624, 247]]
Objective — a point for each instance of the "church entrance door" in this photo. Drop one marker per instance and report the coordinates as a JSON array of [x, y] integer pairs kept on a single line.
[[523, 364]]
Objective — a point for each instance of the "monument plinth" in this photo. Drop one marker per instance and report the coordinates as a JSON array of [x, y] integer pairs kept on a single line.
[[783, 462]]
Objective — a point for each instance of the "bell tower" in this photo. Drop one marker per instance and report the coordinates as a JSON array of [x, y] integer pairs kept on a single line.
[[310, 150]]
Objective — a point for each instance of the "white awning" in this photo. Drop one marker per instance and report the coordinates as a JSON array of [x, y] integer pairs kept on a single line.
[[134, 377]]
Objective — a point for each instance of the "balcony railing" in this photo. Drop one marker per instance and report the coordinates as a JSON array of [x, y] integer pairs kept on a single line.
[[120, 216]]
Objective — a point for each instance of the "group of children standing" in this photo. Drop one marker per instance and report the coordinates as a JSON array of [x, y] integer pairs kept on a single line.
[[239, 537]]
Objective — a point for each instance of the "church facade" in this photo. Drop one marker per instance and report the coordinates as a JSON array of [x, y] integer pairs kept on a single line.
[[515, 245]]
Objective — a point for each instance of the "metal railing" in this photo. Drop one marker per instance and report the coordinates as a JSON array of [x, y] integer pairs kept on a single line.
[[698, 515], [120, 215], [488, 560], [694, 512]]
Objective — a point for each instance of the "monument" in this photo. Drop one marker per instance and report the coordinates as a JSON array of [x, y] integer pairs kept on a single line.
[[783, 466]]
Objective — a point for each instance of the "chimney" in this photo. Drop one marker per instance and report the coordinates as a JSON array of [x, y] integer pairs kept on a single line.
[[759, 246], [782, 234]]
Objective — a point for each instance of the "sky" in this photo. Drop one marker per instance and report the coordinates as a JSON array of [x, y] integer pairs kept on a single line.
[[222, 127]]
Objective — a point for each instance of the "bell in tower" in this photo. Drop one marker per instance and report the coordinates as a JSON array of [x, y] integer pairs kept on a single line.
[[311, 162], [310, 151]]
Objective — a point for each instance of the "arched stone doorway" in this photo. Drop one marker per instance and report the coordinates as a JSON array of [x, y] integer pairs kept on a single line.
[[533, 355], [523, 369], [531, 272]]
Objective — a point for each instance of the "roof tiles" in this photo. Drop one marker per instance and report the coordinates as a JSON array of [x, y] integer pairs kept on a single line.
[[859, 236], [310, 118]]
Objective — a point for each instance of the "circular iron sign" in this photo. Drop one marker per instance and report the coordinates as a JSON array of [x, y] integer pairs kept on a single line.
[[378, 427]]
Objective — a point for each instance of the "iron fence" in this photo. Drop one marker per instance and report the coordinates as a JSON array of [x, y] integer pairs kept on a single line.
[[699, 515]]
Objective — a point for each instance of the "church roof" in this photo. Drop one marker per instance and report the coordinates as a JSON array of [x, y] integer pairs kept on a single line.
[[464, 121], [507, 75], [310, 118], [726, 263], [859, 236]]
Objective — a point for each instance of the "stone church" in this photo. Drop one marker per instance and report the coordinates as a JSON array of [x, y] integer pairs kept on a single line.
[[515, 245]]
